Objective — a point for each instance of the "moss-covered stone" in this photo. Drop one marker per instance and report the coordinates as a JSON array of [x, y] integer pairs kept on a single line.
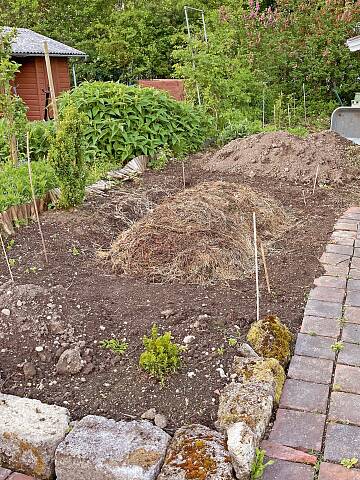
[[267, 371], [271, 339]]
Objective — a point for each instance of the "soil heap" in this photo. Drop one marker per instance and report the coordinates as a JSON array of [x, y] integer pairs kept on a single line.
[[201, 235], [285, 156]]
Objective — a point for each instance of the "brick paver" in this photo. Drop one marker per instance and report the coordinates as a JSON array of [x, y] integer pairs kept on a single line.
[[305, 396], [300, 430], [280, 452], [4, 473], [330, 471], [347, 379], [20, 476], [282, 470], [326, 327], [318, 370], [332, 314]]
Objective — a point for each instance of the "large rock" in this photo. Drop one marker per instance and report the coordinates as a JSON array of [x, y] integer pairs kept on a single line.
[[271, 339], [70, 362], [30, 431], [102, 449], [261, 371], [196, 452], [249, 403], [242, 444]]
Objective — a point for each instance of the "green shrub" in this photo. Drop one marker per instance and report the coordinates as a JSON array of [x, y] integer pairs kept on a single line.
[[41, 134], [15, 185], [114, 345], [67, 157], [161, 356], [122, 122]]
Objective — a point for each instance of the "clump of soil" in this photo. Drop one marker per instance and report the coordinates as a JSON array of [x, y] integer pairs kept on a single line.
[[284, 156], [201, 235]]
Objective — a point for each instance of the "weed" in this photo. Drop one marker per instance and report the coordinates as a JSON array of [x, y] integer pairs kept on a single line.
[[258, 467], [232, 342], [336, 387], [114, 345], [342, 321], [75, 251], [12, 262], [312, 333], [349, 462], [337, 347], [161, 356], [31, 270], [10, 244], [220, 351]]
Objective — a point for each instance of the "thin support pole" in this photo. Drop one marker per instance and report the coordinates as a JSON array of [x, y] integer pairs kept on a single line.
[[183, 175], [303, 194], [265, 266], [51, 81], [33, 196], [256, 270], [263, 109], [304, 94], [289, 114], [6, 258], [192, 52], [316, 178], [74, 75]]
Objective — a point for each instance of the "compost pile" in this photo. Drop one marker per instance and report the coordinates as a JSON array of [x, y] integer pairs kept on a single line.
[[284, 156], [201, 235]]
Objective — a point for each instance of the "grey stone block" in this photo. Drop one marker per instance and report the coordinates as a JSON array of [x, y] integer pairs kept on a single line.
[[102, 449]]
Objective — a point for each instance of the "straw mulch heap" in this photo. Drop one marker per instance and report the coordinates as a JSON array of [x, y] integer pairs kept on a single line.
[[201, 235]]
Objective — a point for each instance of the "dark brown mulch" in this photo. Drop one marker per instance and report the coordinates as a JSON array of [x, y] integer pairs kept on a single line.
[[81, 302]]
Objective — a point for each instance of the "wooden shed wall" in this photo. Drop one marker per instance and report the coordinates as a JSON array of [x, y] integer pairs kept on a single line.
[[31, 82], [174, 87]]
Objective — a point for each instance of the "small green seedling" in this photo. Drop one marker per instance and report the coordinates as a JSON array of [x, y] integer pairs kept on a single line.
[[232, 342], [31, 270], [10, 244], [220, 351], [75, 251], [349, 462], [258, 467], [342, 321], [312, 333], [12, 262], [162, 356], [114, 345], [337, 347], [336, 387]]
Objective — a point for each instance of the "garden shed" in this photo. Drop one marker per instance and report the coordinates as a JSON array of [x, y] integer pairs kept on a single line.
[[31, 82]]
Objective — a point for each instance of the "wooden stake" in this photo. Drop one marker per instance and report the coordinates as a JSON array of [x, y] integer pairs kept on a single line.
[[303, 194], [183, 175], [51, 81], [33, 196], [289, 115], [6, 258], [316, 177], [256, 270], [263, 109], [304, 93], [265, 266]]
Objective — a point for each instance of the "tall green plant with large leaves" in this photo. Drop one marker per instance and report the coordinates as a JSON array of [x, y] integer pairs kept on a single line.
[[67, 157]]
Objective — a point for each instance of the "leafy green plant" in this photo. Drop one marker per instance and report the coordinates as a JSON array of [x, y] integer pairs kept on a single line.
[[349, 462], [161, 356], [75, 251], [258, 467], [337, 347], [232, 342], [66, 155], [220, 351], [10, 245], [114, 345]]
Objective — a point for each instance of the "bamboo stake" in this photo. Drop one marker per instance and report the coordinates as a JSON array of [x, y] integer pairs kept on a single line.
[[265, 266], [256, 270], [289, 115], [316, 178], [263, 109], [51, 81], [303, 194], [6, 258], [304, 93], [183, 175], [33, 196]]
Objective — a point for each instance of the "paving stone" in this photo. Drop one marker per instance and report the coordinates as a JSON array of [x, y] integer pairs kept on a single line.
[[342, 241], [318, 308], [348, 219], [343, 234], [357, 252], [353, 299], [350, 355], [282, 470], [355, 262], [20, 476], [353, 284], [280, 452], [4, 473], [352, 212], [326, 327], [330, 471], [351, 333], [317, 370], [342, 441], [30, 431], [300, 430], [189, 448], [102, 449], [354, 273], [344, 407], [357, 243], [352, 314], [347, 379], [347, 226], [335, 259], [317, 346], [327, 294], [336, 271], [305, 396], [329, 281], [341, 249]]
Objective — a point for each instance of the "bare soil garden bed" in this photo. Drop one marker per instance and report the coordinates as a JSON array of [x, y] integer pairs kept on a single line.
[[76, 299]]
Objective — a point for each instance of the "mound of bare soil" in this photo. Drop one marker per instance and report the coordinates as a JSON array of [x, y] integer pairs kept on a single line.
[[201, 235], [284, 156]]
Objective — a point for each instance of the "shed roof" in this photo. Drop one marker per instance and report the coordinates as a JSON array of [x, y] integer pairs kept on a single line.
[[30, 44], [353, 44]]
